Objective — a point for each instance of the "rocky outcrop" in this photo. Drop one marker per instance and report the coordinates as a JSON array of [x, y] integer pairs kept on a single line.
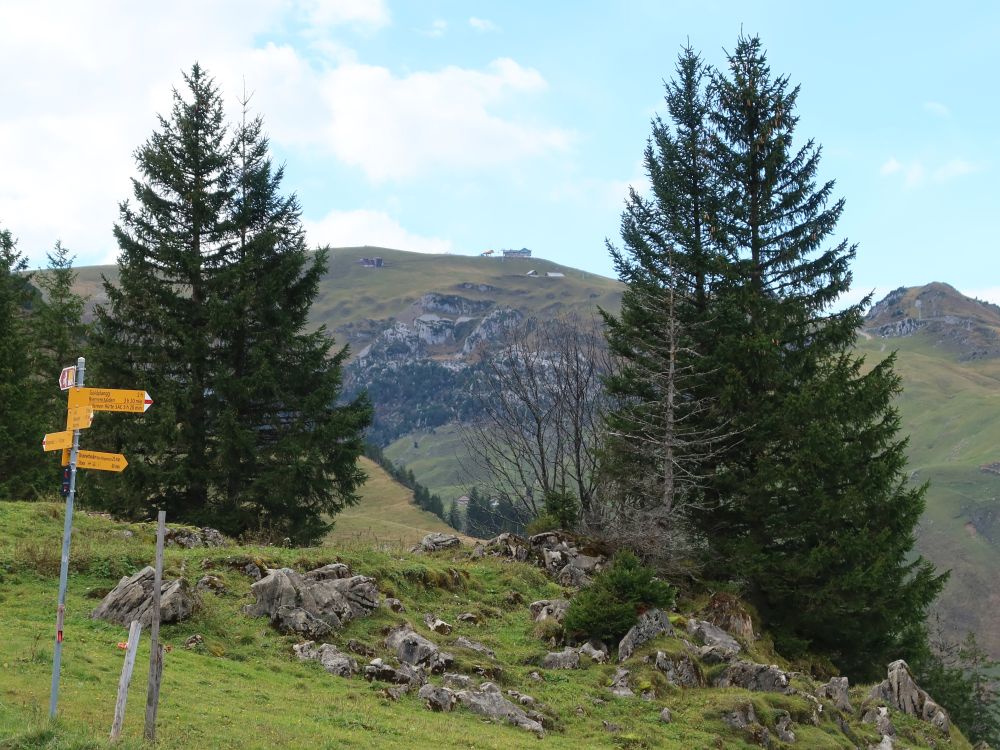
[[491, 329], [836, 690], [435, 623], [679, 670], [652, 624], [437, 698], [132, 599], [412, 648], [488, 701], [727, 612], [329, 656], [292, 600], [566, 659], [549, 609], [719, 645], [900, 691], [475, 646], [437, 540], [595, 650], [404, 674], [619, 684], [750, 676], [189, 537]]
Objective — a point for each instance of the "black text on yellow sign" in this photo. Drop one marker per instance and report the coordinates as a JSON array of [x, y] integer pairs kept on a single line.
[[110, 399]]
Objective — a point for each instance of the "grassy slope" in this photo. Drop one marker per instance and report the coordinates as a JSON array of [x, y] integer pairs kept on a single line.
[[386, 515], [951, 411], [242, 687]]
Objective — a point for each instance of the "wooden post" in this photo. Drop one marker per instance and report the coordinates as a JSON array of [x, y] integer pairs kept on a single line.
[[126, 678], [155, 649]]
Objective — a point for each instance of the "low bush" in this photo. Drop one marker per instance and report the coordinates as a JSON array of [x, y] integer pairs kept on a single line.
[[613, 602]]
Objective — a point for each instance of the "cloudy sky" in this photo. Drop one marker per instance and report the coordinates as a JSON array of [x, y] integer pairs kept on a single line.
[[442, 126]]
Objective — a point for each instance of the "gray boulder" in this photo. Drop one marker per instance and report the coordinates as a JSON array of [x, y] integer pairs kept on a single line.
[[189, 537], [619, 684], [567, 659], [783, 727], [572, 576], [132, 599], [681, 671], [436, 624], [652, 624], [405, 674], [458, 681], [836, 690], [328, 572], [412, 648], [437, 698], [595, 650], [335, 601], [719, 645], [879, 716], [751, 676], [393, 604], [329, 656], [549, 609], [741, 717], [479, 648], [901, 691], [210, 584], [437, 540], [297, 620], [488, 701], [666, 716]]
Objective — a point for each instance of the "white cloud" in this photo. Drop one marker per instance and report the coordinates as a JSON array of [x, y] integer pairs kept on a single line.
[[363, 14], [437, 29], [483, 25], [937, 108], [396, 127], [366, 227], [916, 173]]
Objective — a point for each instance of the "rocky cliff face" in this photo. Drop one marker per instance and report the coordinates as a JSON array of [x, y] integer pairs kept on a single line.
[[969, 328]]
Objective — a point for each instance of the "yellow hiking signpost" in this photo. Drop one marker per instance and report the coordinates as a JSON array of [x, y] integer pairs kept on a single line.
[[82, 404]]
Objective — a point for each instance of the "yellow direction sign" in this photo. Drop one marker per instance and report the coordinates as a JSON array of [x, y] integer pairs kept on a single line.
[[79, 417], [100, 461], [65, 457], [110, 399], [56, 441]]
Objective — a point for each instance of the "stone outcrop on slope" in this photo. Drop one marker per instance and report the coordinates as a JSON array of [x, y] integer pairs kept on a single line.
[[132, 599]]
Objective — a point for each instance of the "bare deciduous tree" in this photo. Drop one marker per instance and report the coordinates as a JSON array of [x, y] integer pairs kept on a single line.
[[541, 409]]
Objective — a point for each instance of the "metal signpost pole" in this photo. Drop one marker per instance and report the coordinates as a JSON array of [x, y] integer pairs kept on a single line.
[[64, 565]]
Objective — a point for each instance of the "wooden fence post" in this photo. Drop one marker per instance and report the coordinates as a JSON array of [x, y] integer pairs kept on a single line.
[[155, 649], [133, 644]]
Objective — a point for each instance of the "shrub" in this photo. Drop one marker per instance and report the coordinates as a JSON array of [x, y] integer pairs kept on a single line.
[[613, 602]]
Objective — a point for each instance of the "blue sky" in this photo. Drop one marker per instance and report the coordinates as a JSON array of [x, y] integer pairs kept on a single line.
[[462, 126]]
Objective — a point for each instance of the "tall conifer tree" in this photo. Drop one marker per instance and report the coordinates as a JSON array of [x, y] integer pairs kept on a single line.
[[154, 333], [22, 469]]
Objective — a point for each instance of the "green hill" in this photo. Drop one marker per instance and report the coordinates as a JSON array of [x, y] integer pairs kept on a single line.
[[240, 685]]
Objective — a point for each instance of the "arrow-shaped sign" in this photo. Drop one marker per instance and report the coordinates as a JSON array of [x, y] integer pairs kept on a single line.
[[110, 399], [56, 441], [100, 461], [79, 417]]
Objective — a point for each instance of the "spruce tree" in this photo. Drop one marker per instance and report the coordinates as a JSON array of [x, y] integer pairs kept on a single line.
[[23, 474], [810, 505], [285, 454], [154, 332], [58, 328], [790, 443]]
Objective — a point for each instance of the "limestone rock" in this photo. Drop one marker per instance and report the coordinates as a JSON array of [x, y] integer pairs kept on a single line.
[[596, 650], [741, 717], [437, 698], [901, 691], [459, 681], [522, 698], [469, 617], [435, 623], [566, 659], [393, 604], [572, 576], [333, 600], [297, 620], [750, 676], [328, 572], [479, 648], [549, 609], [210, 584], [666, 716], [719, 645], [727, 612], [619, 684], [405, 674], [681, 671], [488, 701], [328, 655], [132, 599], [412, 648], [651, 624], [836, 690], [783, 727], [437, 540], [879, 716], [189, 538]]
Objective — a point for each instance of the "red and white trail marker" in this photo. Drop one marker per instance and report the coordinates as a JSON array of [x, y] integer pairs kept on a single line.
[[67, 378]]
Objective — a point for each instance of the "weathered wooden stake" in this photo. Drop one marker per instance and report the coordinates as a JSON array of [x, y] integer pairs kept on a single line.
[[155, 650], [133, 645]]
